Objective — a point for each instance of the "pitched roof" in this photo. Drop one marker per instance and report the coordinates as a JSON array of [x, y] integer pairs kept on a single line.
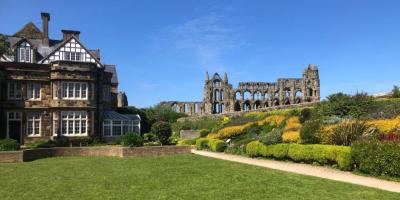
[[111, 69], [112, 115], [30, 30]]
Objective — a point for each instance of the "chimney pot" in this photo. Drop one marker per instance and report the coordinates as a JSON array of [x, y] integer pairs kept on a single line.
[[68, 33]]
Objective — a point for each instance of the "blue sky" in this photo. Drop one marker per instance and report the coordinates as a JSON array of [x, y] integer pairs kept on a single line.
[[162, 49]]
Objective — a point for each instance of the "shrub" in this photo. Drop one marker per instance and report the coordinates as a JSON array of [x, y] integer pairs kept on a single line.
[[156, 143], [377, 158], [217, 145], [132, 140], [348, 131], [238, 150], [204, 133], [384, 109], [309, 131], [253, 129], [149, 137], [293, 124], [291, 136], [253, 149], [9, 145], [228, 132], [385, 125], [396, 92], [273, 137], [202, 143], [162, 130], [389, 137], [185, 142], [62, 141], [323, 154], [42, 144], [324, 134], [305, 115]]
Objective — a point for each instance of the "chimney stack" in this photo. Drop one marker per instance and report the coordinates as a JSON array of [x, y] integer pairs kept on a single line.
[[68, 33], [45, 29]]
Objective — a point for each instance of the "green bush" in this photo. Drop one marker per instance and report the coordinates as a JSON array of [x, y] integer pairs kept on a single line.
[[322, 154], [273, 137], [62, 141], [308, 132], [202, 143], [253, 129], [42, 144], [377, 158], [149, 137], [186, 142], [156, 143], [162, 130], [9, 145], [396, 92], [305, 115], [346, 132], [217, 145], [132, 140], [237, 150], [384, 109], [204, 133]]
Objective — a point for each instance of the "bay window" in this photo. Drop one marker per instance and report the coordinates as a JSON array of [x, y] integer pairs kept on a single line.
[[74, 90], [119, 127], [74, 123], [33, 124]]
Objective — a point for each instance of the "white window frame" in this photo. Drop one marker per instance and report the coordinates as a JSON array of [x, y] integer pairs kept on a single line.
[[13, 86], [128, 124], [32, 93], [34, 119], [73, 118], [73, 56], [24, 52], [69, 93]]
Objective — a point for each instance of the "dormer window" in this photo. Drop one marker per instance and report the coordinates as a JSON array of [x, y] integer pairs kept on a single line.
[[24, 52], [73, 56]]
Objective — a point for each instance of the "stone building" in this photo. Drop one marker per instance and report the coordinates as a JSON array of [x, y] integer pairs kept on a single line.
[[58, 88], [220, 97]]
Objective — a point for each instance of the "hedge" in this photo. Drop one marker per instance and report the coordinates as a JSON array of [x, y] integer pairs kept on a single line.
[[377, 158], [185, 142], [217, 145], [211, 144], [9, 145], [323, 154]]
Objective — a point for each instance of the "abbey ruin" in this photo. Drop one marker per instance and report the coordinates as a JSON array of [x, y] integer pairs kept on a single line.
[[220, 97]]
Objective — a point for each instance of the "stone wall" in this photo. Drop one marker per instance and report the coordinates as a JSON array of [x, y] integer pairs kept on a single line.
[[34, 154]]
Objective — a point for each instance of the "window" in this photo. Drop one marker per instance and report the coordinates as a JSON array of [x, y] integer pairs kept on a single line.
[[73, 123], [73, 56], [33, 124], [72, 90], [33, 91], [14, 90], [119, 127], [24, 52]]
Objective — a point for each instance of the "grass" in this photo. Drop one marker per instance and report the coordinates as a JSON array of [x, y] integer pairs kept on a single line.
[[166, 177]]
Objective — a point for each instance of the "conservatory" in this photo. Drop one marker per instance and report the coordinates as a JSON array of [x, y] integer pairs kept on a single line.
[[116, 124]]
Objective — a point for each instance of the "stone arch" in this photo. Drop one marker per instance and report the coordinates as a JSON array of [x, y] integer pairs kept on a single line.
[[257, 95], [266, 104], [237, 106], [222, 107], [176, 107], [196, 108], [238, 95], [221, 95], [186, 108], [216, 108], [298, 96], [246, 94], [275, 102], [216, 95], [216, 83], [246, 106]]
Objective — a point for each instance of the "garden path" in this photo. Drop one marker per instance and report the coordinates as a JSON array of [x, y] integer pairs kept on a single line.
[[309, 170]]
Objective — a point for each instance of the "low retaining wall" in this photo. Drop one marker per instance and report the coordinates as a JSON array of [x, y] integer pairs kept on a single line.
[[34, 154]]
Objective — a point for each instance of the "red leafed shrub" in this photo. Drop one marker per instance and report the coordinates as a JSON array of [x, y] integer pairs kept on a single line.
[[389, 137]]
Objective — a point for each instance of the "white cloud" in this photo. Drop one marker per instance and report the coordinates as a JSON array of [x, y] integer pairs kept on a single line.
[[207, 38]]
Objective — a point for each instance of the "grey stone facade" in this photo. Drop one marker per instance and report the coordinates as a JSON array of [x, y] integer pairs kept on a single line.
[[219, 97]]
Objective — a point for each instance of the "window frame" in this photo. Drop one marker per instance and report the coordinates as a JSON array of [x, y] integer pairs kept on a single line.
[[68, 94], [127, 125], [25, 49], [32, 91], [33, 118], [13, 85], [70, 125]]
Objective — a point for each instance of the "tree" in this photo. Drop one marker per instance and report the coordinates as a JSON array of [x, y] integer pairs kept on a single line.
[[396, 92], [162, 130], [4, 50]]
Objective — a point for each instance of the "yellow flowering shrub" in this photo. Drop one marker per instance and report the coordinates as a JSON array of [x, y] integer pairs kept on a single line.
[[385, 125], [229, 131], [325, 134], [293, 123], [291, 136], [273, 119]]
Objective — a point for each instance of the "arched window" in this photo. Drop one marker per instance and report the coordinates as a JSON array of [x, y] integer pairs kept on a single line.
[[196, 108], [187, 108], [222, 108], [237, 95], [222, 95], [216, 108], [217, 83], [257, 95], [216, 95], [246, 106], [247, 95], [24, 52]]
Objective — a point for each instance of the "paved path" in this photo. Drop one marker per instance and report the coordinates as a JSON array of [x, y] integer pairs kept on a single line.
[[310, 170]]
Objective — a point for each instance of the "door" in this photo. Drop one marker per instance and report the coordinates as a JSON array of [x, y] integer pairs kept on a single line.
[[14, 126]]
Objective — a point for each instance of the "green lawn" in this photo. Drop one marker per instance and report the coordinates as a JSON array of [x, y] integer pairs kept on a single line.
[[166, 177]]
